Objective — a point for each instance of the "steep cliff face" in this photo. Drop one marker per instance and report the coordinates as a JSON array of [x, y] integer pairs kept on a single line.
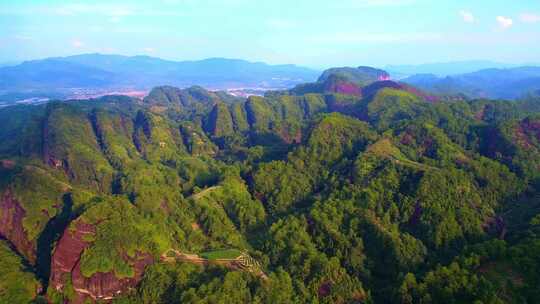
[[67, 253], [259, 114], [67, 277], [29, 198], [220, 121], [70, 144], [528, 131], [290, 135], [11, 225]]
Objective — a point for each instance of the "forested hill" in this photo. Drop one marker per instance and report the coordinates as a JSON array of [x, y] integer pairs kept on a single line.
[[359, 192]]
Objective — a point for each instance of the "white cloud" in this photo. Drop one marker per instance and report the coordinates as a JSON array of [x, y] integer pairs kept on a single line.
[[149, 50], [504, 22], [467, 16], [77, 43], [530, 18]]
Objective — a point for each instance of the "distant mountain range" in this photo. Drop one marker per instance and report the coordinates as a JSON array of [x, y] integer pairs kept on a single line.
[[55, 76], [449, 68], [8, 63], [92, 75], [510, 83]]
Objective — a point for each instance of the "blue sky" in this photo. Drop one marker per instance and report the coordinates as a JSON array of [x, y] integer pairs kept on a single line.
[[317, 33]]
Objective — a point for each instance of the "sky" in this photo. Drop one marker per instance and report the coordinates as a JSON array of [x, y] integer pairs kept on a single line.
[[315, 33]]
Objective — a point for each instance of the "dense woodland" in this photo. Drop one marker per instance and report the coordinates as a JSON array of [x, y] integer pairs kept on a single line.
[[375, 194]]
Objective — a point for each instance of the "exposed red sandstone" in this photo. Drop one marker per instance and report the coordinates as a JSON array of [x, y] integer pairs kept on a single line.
[[525, 131], [531, 127], [343, 87], [105, 286], [407, 139], [289, 136], [7, 163], [480, 114], [100, 286], [68, 252], [325, 289], [11, 225]]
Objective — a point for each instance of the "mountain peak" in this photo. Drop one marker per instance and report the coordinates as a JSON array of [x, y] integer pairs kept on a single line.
[[362, 75]]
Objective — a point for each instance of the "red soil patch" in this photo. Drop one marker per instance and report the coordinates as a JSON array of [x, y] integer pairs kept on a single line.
[[11, 225], [7, 163], [325, 289], [195, 226]]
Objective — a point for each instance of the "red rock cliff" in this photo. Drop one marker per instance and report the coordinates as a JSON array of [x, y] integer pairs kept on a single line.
[[11, 225], [343, 87], [100, 286]]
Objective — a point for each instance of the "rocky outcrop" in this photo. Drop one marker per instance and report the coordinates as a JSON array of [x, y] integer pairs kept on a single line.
[[142, 134], [67, 253], [527, 130], [106, 286], [11, 225], [66, 267], [290, 135]]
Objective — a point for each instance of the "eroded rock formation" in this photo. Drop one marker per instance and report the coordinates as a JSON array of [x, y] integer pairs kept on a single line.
[[66, 268], [11, 225]]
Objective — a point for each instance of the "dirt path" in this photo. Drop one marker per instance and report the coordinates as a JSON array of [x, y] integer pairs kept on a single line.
[[243, 262], [204, 192]]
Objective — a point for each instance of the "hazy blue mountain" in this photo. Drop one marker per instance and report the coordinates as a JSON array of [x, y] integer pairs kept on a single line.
[[508, 83], [447, 68], [53, 73], [213, 72], [97, 71], [8, 63]]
